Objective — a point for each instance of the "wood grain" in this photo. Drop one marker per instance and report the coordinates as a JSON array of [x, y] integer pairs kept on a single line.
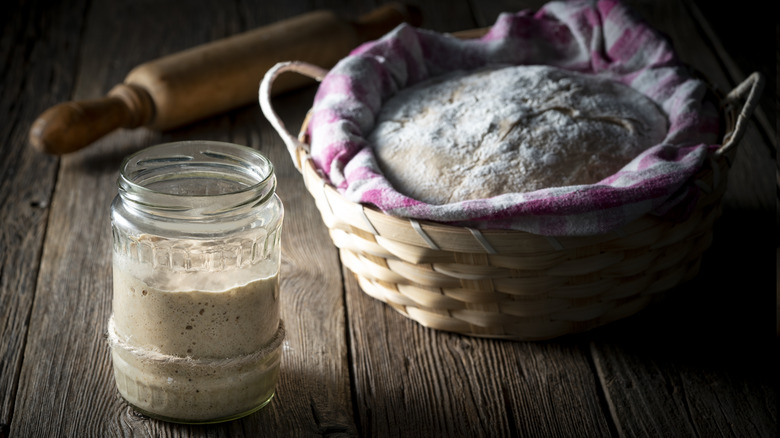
[[37, 72], [64, 387], [702, 362], [414, 381], [704, 323]]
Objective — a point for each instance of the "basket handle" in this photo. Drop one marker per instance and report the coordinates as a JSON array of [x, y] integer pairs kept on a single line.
[[291, 141], [752, 87]]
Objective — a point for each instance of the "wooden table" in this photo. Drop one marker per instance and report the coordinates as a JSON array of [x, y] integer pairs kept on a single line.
[[701, 363]]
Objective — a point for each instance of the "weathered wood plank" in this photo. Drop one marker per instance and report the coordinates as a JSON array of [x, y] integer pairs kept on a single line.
[[413, 381], [700, 363], [314, 390], [39, 49], [67, 351], [682, 368], [665, 375]]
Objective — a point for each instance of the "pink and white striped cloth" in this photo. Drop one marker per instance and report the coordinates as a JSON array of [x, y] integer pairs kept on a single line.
[[602, 37]]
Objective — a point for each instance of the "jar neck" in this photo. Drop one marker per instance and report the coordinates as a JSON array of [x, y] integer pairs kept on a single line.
[[196, 181]]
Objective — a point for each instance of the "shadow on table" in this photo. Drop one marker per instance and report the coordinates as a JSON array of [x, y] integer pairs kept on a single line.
[[725, 318]]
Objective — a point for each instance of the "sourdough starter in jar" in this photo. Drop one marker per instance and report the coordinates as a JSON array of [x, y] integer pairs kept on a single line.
[[196, 331]]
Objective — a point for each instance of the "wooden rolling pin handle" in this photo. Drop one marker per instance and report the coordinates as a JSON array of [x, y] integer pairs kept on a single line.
[[70, 126], [215, 77]]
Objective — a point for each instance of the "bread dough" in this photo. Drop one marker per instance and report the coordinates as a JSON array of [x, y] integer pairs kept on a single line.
[[507, 129]]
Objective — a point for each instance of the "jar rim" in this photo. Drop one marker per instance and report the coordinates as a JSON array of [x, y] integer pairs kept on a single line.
[[249, 171]]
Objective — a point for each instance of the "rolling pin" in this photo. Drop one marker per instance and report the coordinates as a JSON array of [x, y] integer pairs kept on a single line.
[[212, 78]]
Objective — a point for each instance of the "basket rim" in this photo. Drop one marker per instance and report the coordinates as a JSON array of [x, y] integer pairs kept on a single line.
[[437, 236], [452, 237]]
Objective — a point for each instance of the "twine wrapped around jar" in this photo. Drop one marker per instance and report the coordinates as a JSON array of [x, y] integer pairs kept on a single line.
[[155, 355]]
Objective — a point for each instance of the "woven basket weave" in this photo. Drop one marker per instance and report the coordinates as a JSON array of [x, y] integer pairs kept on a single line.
[[513, 284]]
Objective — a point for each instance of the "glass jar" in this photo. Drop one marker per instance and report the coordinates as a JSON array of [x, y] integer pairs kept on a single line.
[[195, 332]]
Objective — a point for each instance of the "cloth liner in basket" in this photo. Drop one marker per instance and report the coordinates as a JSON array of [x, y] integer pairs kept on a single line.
[[592, 37], [522, 265]]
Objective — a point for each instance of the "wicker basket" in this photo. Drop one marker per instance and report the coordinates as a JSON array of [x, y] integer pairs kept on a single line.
[[513, 284]]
